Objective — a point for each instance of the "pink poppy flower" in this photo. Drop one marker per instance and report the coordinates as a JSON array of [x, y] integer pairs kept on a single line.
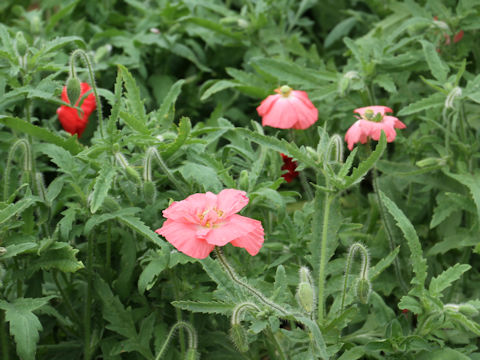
[[289, 109], [370, 123], [69, 117], [202, 221]]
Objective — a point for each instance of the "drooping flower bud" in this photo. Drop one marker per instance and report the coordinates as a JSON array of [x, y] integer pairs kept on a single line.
[[192, 354], [73, 90], [363, 288], [238, 334], [243, 180]]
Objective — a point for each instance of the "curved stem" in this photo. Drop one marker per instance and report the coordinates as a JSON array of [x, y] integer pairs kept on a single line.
[[91, 74], [256, 293], [192, 337], [364, 271]]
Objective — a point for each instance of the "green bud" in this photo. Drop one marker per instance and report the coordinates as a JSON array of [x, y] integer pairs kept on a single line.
[[431, 161], [115, 148], [239, 337], [132, 174], [243, 180], [192, 354], [305, 296], [73, 90], [22, 45], [363, 289], [149, 191], [2, 251], [468, 309]]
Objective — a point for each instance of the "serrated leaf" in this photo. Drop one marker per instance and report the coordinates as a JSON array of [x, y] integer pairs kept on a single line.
[[59, 256], [418, 261], [385, 262], [281, 146], [59, 15], [137, 225], [201, 175], [134, 123], [437, 67], [170, 99], [17, 208], [102, 186], [386, 82], [340, 30], [446, 278], [433, 101], [207, 307], [55, 44], [150, 273], [410, 303], [134, 98], [117, 103], [184, 129], [472, 182], [16, 249], [442, 211], [71, 144], [364, 167], [120, 320], [65, 161], [24, 324]]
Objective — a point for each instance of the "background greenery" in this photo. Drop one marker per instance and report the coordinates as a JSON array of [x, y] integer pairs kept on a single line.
[[83, 274]]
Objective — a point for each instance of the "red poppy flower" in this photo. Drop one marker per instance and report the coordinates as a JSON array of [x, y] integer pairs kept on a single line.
[[290, 166], [69, 117]]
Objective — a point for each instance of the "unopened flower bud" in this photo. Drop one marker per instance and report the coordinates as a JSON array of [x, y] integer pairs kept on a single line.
[[239, 337], [243, 180], [454, 93], [192, 354], [305, 297], [21, 44], [431, 161], [149, 191], [2, 251], [73, 90], [132, 174], [468, 309], [363, 289]]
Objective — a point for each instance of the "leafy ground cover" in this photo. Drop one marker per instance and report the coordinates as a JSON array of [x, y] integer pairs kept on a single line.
[[239, 179]]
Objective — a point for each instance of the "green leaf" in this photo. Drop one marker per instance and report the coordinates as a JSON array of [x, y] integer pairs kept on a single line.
[[150, 273], [59, 15], [410, 303], [17, 208], [120, 320], [134, 122], [437, 67], [134, 98], [201, 175], [59, 256], [70, 144], [55, 44], [383, 264], [218, 86], [446, 278], [431, 102], [137, 225], [353, 353], [207, 307], [117, 103], [291, 73], [16, 249], [386, 82], [443, 354], [102, 186], [281, 146], [316, 335], [24, 324], [418, 261], [340, 30], [65, 225], [65, 161], [365, 166], [472, 182], [184, 128], [170, 99], [214, 26]]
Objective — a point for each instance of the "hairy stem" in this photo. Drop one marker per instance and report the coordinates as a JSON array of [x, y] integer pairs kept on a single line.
[[192, 337], [88, 301], [364, 271]]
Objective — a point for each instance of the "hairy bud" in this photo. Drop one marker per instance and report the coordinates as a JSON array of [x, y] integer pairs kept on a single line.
[[239, 337], [363, 288], [73, 90], [21, 44], [305, 293]]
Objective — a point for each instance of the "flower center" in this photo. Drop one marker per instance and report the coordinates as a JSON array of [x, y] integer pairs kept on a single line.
[[371, 116], [209, 216], [284, 90]]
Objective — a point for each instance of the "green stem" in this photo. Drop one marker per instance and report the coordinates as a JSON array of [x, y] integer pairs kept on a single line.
[[88, 300], [323, 251], [192, 337], [388, 230], [91, 74], [169, 174], [178, 313], [280, 352], [4, 337], [256, 293], [66, 299]]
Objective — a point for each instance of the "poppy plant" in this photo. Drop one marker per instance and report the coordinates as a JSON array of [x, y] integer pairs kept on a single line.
[[290, 166], [370, 123], [71, 120], [289, 109], [200, 222]]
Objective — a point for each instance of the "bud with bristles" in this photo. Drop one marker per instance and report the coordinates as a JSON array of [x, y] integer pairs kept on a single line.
[[73, 90], [192, 354], [305, 293], [243, 180], [239, 337], [363, 288]]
